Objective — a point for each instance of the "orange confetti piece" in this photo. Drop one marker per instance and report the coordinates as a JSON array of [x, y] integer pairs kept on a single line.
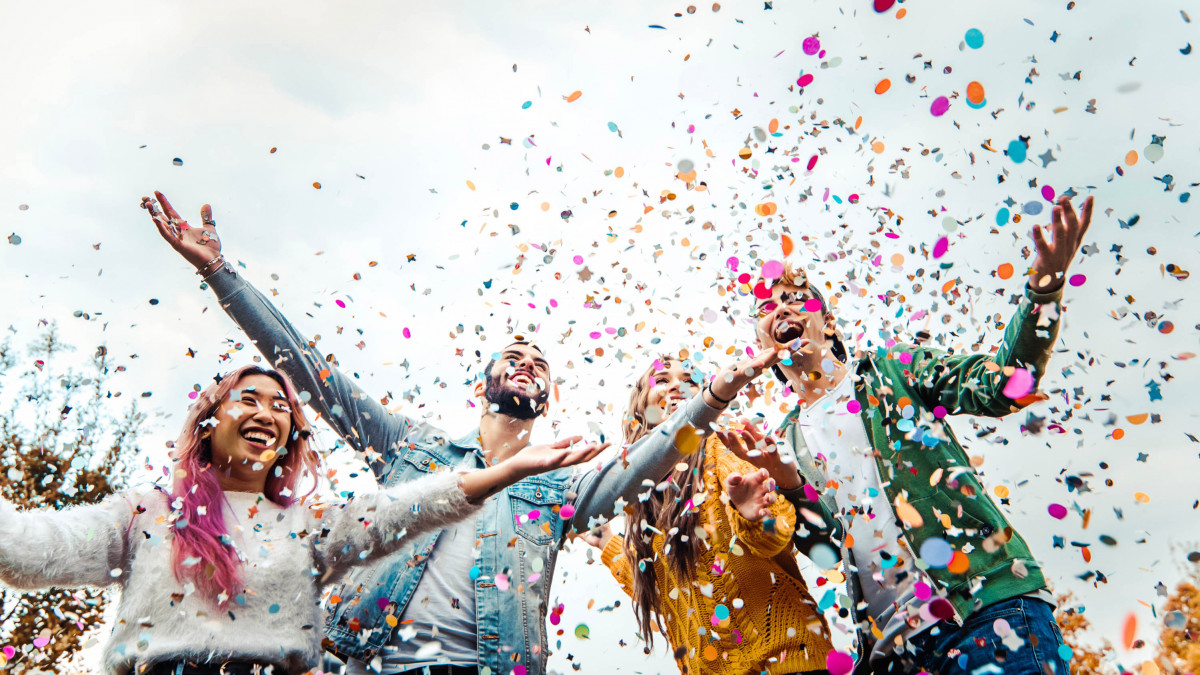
[[1141, 497], [470, 185], [574, 96], [907, 514], [1138, 419], [773, 126], [1000, 491], [877, 146], [948, 285], [901, 13], [1087, 554], [975, 93], [1129, 632], [317, 186], [686, 440], [959, 563], [1131, 158], [787, 245], [1005, 271], [858, 123], [766, 209], [1118, 434], [883, 86], [710, 653], [619, 171]]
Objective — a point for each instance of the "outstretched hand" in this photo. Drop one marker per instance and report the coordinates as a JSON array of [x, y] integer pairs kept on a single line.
[[751, 494], [731, 379], [1054, 256], [761, 450], [559, 454], [200, 246]]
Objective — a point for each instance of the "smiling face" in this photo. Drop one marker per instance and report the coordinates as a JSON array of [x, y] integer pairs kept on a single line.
[[789, 313], [251, 425], [670, 385], [518, 383]]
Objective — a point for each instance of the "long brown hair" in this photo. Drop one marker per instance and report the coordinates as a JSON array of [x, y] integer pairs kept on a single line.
[[668, 511]]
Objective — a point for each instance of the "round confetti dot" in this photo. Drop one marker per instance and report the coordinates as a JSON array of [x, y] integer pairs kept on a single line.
[[316, 186], [566, 512], [1165, 327], [975, 92], [941, 608], [906, 358], [959, 563], [883, 86], [811, 45], [406, 333], [853, 406], [939, 107], [805, 80], [1001, 627], [1047, 193], [1153, 152], [1000, 491], [841, 663], [578, 260], [177, 162], [812, 161], [897, 259], [721, 612], [940, 247], [1005, 271], [1057, 511], [1002, 217], [940, 411], [526, 105], [1131, 158], [823, 556], [877, 146], [949, 224], [1118, 434], [773, 269], [1017, 151], [1032, 208], [812, 305], [974, 38], [514, 206], [1065, 652], [1141, 497], [1019, 384], [1077, 280], [612, 126], [761, 291], [936, 552]]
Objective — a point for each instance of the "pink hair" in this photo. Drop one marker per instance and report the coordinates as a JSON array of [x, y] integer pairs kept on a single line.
[[197, 498]]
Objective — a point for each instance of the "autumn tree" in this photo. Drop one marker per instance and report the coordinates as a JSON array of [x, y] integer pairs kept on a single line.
[[1179, 642], [65, 440], [1075, 627]]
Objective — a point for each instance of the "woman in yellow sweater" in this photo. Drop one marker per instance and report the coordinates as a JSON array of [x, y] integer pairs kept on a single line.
[[708, 556]]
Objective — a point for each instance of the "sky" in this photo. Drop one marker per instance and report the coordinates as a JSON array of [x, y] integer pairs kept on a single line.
[[388, 167]]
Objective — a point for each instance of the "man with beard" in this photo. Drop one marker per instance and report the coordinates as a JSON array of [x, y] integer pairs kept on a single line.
[[938, 580], [471, 598]]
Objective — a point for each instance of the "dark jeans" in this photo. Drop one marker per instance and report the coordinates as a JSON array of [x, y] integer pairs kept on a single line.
[[1035, 649]]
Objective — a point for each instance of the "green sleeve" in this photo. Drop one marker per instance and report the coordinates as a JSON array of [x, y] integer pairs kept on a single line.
[[974, 384]]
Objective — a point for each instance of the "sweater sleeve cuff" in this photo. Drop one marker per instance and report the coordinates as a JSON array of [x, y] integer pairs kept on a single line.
[[615, 547], [1044, 298]]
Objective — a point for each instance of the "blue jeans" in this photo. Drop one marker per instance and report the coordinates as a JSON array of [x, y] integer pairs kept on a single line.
[[976, 648]]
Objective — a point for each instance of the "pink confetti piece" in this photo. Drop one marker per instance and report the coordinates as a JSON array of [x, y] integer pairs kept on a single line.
[[1019, 384], [773, 269], [839, 663], [1057, 511], [940, 248], [1047, 193], [805, 80], [853, 406], [940, 105], [811, 45], [1077, 280]]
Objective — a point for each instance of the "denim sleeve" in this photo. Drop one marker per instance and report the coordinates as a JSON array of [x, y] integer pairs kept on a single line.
[[651, 457], [361, 420]]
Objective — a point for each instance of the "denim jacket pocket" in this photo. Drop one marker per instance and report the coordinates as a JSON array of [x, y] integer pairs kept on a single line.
[[532, 507]]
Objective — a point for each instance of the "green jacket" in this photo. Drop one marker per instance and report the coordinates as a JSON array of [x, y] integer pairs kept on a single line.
[[912, 443]]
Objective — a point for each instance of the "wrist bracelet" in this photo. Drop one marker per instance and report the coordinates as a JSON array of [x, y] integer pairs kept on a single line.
[[203, 268], [718, 398], [211, 274]]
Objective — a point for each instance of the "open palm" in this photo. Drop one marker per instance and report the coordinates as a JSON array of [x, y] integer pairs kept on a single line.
[[198, 245]]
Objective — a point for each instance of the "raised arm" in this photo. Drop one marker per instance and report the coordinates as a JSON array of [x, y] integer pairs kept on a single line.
[[1002, 383], [652, 456], [361, 420], [369, 527], [80, 546]]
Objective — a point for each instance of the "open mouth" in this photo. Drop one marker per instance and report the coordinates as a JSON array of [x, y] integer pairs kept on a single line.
[[786, 331], [259, 438]]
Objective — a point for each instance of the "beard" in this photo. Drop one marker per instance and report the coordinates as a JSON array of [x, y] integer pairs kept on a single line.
[[512, 401]]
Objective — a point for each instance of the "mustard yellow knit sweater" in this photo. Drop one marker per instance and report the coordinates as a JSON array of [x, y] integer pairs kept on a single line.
[[745, 574]]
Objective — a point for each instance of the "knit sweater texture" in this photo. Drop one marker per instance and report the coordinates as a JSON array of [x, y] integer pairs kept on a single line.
[[745, 572], [289, 555]]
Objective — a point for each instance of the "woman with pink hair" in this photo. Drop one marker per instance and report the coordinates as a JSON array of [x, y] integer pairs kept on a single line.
[[223, 573]]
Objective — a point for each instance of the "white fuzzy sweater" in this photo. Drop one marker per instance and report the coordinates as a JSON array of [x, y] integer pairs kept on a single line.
[[289, 555]]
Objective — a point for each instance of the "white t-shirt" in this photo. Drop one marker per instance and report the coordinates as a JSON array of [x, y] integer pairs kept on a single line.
[[886, 572], [445, 583]]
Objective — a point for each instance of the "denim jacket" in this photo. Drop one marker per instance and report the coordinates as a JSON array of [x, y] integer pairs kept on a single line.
[[519, 530]]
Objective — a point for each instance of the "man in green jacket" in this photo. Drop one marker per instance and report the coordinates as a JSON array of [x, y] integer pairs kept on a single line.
[[938, 579]]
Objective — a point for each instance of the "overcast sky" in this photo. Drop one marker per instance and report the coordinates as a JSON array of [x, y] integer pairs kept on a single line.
[[448, 148]]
